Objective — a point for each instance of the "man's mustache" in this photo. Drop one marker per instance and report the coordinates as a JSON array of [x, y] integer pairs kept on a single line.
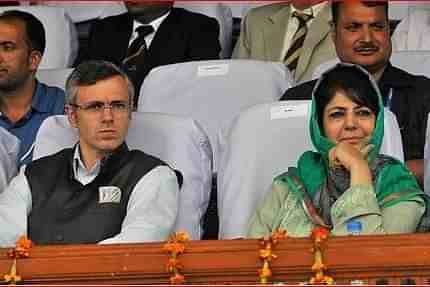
[[366, 47]]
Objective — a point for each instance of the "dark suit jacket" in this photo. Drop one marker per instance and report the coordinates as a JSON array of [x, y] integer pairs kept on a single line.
[[410, 103], [183, 36]]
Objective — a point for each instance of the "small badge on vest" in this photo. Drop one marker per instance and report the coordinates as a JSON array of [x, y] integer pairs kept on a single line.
[[109, 194]]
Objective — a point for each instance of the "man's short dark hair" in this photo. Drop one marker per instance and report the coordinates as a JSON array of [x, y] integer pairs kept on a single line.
[[335, 4], [89, 73], [35, 32]]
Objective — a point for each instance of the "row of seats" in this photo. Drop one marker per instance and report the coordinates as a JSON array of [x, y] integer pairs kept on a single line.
[[223, 111], [214, 92]]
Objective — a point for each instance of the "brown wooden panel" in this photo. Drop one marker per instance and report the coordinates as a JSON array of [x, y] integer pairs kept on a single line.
[[394, 258]]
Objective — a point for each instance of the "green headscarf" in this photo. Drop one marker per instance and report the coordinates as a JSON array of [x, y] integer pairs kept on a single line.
[[312, 167]]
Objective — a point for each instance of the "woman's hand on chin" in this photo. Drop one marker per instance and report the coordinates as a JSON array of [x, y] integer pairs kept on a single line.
[[354, 160]]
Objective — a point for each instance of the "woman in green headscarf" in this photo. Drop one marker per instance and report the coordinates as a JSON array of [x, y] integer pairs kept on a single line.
[[346, 180]]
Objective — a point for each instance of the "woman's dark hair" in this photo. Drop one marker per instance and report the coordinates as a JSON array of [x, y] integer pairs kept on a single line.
[[353, 82]]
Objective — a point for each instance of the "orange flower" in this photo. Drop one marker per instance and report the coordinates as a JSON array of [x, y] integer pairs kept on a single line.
[[328, 280], [320, 233], [264, 273], [278, 235], [318, 266], [173, 264], [23, 245], [174, 248], [12, 278], [267, 254], [181, 236], [177, 279], [321, 279]]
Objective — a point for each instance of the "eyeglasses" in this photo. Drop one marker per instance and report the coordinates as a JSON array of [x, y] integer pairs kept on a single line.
[[117, 107]]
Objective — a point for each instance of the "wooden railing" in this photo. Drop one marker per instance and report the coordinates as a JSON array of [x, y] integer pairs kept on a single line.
[[362, 259]]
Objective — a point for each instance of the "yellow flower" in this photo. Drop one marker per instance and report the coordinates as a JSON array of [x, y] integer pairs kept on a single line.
[[12, 278], [278, 235], [181, 236], [319, 233], [267, 254], [22, 248], [318, 266], [264, 273], [173, 264], [173, 247]]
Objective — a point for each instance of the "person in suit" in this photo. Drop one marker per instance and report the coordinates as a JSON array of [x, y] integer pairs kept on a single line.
[[178, 36], [361, 34], [268, 32]]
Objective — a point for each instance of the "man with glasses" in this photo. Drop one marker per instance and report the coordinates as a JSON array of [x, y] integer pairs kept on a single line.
[[99, 191]]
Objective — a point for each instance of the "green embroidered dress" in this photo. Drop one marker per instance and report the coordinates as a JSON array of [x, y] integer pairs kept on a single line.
[[393, 204]]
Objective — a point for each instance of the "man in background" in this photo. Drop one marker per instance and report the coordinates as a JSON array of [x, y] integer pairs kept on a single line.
[[24, 102], [152, 34], [297, 33], [361, 34]]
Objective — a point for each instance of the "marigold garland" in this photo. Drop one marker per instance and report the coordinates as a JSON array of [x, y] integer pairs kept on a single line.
[[266, 254], [319, 236], [21, 250], [175, 246]]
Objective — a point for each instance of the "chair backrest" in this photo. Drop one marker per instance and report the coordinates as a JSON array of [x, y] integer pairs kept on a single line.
[[414, 62], [80, 11], [241, 8], [263, 142], [9, 148], [61, 36], [178, 141], [54, 77], [219, 11], [397, 10], [212, 92]]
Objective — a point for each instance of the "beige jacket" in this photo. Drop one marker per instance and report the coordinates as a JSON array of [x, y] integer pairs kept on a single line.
[[262, 38]]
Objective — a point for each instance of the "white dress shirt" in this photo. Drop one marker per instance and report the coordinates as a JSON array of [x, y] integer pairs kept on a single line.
[[155, 24], [293, 23], [151, 211]]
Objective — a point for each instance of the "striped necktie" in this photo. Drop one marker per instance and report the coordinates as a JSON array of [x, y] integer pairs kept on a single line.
[[293, 54], [137, 50]]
